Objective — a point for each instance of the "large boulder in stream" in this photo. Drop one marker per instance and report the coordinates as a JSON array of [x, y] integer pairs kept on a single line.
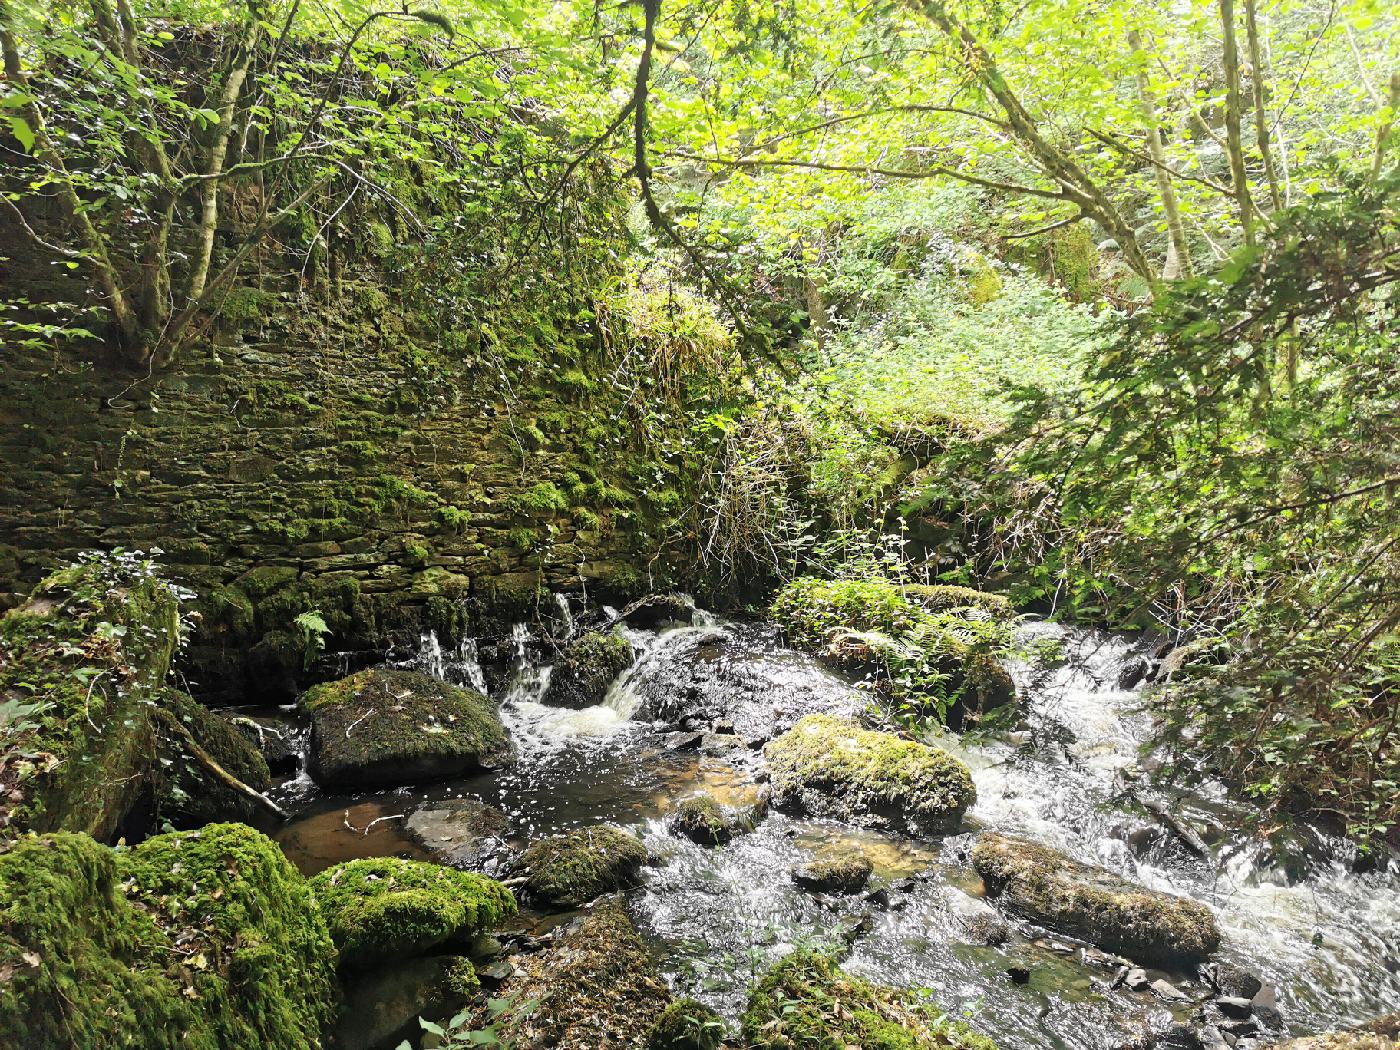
[[384, 726], [586, 668], [384, 908], [828, 767], [196, 940], [1079, 900], [806, 1000], [569, 870], [593, 984]]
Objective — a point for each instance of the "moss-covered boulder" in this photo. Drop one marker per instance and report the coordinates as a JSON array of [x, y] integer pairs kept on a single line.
[[385, 908], [586, 668], [837, 870], [686, 1025], [594, 986], [385, 726], [184, 791], [936, 647], [79, 662], [569, 870], [827, 767], [1095, 905], [198, 940], [807, 1001], [701, 818]]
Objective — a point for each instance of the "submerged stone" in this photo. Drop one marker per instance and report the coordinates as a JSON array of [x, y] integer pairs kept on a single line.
[[195, 940], [384, 726], [460, 832], [828, 767], [1095, 905], [586, 668], [569, 870], [385, 908], [807, 1001]]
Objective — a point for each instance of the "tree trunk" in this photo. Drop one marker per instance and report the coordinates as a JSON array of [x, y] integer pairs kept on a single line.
[[1261, 124], [1175, 231], [1239, 178]]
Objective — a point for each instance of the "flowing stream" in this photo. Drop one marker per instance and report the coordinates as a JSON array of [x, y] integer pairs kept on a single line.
[[1325, 937]]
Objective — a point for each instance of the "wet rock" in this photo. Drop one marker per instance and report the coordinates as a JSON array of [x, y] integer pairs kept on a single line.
[[1133, 673], [385, 908], [791, 1006], [278, 741], [1019, 974], [1168, 992], [879, 899], [569, 870], [1234, 1006], [828, 767], [593, 986], [834, 871], [682, 741], [586, 668], [1382, 1034], [1269, 1017], [987, 929], [686, 1025], [461, 832], [702, 819], [1135, 980], [1178, 1037], [384, 726], [660, 610], [1092, 904], [721, 744]]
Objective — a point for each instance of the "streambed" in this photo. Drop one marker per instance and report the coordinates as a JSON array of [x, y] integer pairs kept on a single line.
[[1325, 937]]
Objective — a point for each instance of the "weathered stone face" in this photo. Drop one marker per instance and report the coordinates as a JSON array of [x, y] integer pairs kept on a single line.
[[383, 726], [827, 767], [1092, 904]]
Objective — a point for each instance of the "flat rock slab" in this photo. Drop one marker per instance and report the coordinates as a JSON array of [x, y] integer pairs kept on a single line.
[[461, 833], [1079, 900]]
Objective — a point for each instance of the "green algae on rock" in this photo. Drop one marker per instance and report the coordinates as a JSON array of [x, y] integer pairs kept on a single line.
[[702, 819], [197, 940], [569, 870], [1095, 905], [385, 908], [828, 767], [184, 791], [834, 870], [586, 668], [686, 1025], [806, 1001], [384, 726]]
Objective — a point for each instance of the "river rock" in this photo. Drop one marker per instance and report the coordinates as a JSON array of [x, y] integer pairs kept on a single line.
[[1381, 1034], [278, 740], [383, 1005], [834, 871], [1094, 905], [701, 818], [569, 870], [460, 832], [384, 908], [829, 767], [660, 610], [586, 668], [385, 726], [593, 985]]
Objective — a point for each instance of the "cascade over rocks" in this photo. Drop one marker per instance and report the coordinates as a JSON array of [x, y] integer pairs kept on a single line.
[[1095, 905], [586, 668], [385, 726], [827, 767]]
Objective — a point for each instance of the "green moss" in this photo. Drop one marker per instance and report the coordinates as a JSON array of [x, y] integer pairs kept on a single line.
[[197, 940], [387, 726], [806, 1002], [260, 582], [586, 668], [184, 792], [943, 597], [829, 767], [1079, 900], [703, 820], [80, 659], [687, 1025], [541, 496], [385, 908], [569, 870]]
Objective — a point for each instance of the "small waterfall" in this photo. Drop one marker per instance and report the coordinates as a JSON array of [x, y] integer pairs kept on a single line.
[[462, 666], [566, 614]]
